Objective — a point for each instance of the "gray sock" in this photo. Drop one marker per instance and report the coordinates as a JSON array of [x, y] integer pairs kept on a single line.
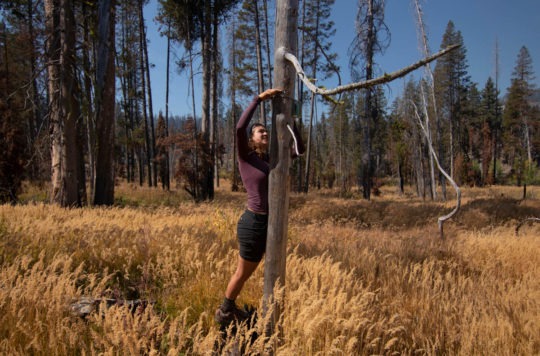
[[228, 304]]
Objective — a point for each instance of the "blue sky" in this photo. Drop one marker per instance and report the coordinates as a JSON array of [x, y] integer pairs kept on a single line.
[[513, 23]]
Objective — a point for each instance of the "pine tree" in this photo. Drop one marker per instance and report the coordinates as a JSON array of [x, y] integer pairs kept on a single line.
[[519, 119], [490, 127], [451, 83]]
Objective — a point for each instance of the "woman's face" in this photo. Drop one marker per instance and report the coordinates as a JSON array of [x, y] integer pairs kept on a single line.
[[260, 136]]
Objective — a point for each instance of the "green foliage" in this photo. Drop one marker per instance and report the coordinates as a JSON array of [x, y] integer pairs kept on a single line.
[[520, 118]]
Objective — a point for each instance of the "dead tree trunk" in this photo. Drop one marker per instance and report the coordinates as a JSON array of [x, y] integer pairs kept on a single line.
[[88, 110], [308, 150], [168, 174], [431, 83], [300, 97], [206, 39], [64, 109], [105, 88], [214, 111], [147, 137], [149, 91], [262, 118], [234, 186], [278, 192]]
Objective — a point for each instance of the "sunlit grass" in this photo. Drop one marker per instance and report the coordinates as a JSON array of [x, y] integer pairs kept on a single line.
[[362, 277]]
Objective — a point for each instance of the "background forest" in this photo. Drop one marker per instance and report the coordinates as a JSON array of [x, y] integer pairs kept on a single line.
[[66, 121]]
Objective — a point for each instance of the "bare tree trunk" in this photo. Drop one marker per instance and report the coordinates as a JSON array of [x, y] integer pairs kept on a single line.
[[268, 63], [262, 118], [234, 186], [206, 39], [168, 174], [431, 84], [308, 150], [63, 107], [105, 106], [143, 83], [496, 128], [145, 117], [90, 123], [125, 107], [214, 94], [300, 96], [36, 120], [368, 109], [278, 194], [197, 193], [451, 120], [149, 91]]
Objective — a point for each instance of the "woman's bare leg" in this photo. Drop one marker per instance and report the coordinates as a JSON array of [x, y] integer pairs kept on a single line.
[[244, 270]]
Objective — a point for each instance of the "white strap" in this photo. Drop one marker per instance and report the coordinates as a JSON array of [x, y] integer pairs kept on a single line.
[[294, 138]]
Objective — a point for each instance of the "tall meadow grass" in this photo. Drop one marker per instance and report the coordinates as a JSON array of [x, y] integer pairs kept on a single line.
[[362, 277]]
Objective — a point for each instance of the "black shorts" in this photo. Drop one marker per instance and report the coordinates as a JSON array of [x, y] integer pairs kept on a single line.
[[251, 232]]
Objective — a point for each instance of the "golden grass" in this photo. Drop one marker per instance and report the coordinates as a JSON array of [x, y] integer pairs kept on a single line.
[[362, 277]]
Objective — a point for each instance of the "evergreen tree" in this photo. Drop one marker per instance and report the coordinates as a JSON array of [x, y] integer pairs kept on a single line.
[[490, 127], [520, 123], [451, 83]]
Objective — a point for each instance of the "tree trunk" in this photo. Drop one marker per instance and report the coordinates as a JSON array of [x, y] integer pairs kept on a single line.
[[431, 84], [308, 150], [368, 109], [262, 118], [206, 39], [35, 121], [149, 91], [89, 112], [234, 186], [105, 108], [63, 107], [147, 138], [268, 63], [168, 174], [300, 97], [278, 194], [214, 95], [400, 177]]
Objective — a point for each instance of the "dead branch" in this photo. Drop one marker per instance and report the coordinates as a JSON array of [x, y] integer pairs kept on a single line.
[[363, 84], [523, 223], [425, 129]]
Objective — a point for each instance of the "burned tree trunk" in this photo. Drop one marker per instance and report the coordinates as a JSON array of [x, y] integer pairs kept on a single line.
[[64, 108], [105, 108]]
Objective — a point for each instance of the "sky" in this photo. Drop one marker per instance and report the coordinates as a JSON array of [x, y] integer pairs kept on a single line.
[[513, 23]]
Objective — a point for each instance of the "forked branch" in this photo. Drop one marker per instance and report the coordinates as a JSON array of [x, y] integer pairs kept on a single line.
[[363, 84], [425, 129]]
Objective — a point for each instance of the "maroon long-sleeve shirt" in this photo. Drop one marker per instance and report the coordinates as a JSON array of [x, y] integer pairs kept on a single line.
[[253, 169]]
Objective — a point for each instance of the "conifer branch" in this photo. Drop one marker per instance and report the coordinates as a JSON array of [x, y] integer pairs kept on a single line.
[[366, 83]]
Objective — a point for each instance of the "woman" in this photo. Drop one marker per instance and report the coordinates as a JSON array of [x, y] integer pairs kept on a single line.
[[254, 169]]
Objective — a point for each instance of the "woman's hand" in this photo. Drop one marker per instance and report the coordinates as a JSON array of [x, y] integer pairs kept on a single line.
[[267, 94]]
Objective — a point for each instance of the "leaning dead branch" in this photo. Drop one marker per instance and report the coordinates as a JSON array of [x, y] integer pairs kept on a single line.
[[524, 222], [363, 84], [425, 129]]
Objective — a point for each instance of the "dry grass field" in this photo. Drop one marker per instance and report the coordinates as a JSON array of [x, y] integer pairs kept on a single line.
[[362, 277]]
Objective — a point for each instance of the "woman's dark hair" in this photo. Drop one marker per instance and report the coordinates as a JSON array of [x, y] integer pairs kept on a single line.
[[252, 146], [257, 124]]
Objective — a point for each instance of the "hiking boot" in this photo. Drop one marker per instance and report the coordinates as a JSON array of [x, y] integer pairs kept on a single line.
[[227, 317]]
